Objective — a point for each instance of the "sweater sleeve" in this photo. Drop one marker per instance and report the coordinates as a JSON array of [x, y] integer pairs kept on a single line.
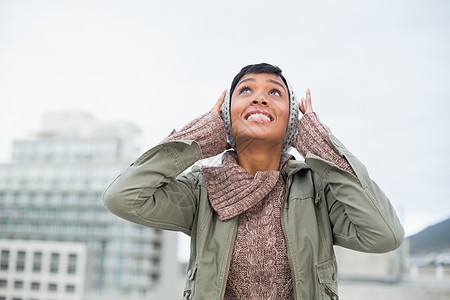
[[313, 137], [208, 131]]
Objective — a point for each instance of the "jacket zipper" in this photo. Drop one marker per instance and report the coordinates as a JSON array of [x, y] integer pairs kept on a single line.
[[283, 226], [230, 254]]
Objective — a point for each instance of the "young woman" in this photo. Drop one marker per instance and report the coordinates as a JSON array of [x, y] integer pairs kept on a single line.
[[262, 225]]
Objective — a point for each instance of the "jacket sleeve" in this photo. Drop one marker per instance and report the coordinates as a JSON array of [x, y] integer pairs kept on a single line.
[[151, 193], [361, 216]]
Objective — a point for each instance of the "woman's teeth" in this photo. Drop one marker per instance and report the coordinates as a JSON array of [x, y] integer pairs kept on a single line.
[[258, 117]]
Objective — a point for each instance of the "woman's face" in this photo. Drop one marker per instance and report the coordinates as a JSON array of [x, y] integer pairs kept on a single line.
[[260, 109]]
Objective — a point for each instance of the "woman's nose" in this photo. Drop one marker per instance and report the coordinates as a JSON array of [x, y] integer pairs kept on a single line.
[[259, 100]]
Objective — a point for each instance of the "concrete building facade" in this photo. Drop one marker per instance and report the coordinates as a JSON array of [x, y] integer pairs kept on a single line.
[[52, 191], [37, 270]]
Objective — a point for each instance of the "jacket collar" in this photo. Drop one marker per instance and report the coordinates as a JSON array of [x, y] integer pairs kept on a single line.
[[293, 166]]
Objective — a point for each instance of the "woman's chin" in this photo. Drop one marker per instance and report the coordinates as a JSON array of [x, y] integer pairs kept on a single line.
[[258, 141]]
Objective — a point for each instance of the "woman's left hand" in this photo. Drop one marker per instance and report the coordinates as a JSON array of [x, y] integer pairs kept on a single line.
[[305, 103]]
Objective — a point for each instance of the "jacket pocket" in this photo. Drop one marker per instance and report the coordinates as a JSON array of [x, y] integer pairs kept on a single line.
[[189, 288], [327, 275]]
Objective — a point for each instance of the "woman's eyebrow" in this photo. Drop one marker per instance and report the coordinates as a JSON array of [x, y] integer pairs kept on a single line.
[[276, 82], [248, 79], [269, 80]]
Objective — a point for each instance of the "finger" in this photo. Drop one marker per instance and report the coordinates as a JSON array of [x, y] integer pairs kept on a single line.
[[217, 107], [302, 108], [308, 104], [222, 97]]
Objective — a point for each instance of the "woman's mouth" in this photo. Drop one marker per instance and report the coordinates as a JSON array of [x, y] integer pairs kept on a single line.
[[259, 115]]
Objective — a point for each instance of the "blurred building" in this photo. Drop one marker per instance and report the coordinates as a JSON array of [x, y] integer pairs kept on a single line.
[[370, 267], [392, 275], [42, 270], [52, 191]]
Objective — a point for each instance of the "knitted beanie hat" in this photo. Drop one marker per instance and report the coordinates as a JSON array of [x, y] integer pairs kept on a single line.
[[291, 130]]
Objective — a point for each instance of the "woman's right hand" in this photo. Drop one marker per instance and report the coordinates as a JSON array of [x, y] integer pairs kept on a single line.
[[218, 106], [305, 103]]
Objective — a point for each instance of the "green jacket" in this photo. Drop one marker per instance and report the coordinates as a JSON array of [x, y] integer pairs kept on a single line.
[[323, 206]]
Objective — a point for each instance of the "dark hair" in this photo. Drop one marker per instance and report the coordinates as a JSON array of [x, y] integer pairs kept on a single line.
[[256, 69]]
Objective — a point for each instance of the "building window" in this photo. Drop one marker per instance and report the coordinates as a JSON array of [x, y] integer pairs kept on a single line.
[[3, 283], [142, 292], [37, 262], [54, 261], [154, 276], [4, 260], [156, 261], [72, 265], [157, 246], [20, 263], [18, 285], [35, 286], [70, 288], [52, 287]]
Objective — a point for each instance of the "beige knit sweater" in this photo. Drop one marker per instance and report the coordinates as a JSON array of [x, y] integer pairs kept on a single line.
[[259, 267]]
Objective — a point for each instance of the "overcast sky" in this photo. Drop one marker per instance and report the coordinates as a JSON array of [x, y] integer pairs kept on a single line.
[[379, 74]]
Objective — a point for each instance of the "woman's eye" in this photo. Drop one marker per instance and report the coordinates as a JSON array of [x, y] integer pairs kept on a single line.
[[275, 92], [245, 90]]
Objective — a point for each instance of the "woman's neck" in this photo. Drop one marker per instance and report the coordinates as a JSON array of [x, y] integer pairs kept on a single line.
[[254, 158]]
